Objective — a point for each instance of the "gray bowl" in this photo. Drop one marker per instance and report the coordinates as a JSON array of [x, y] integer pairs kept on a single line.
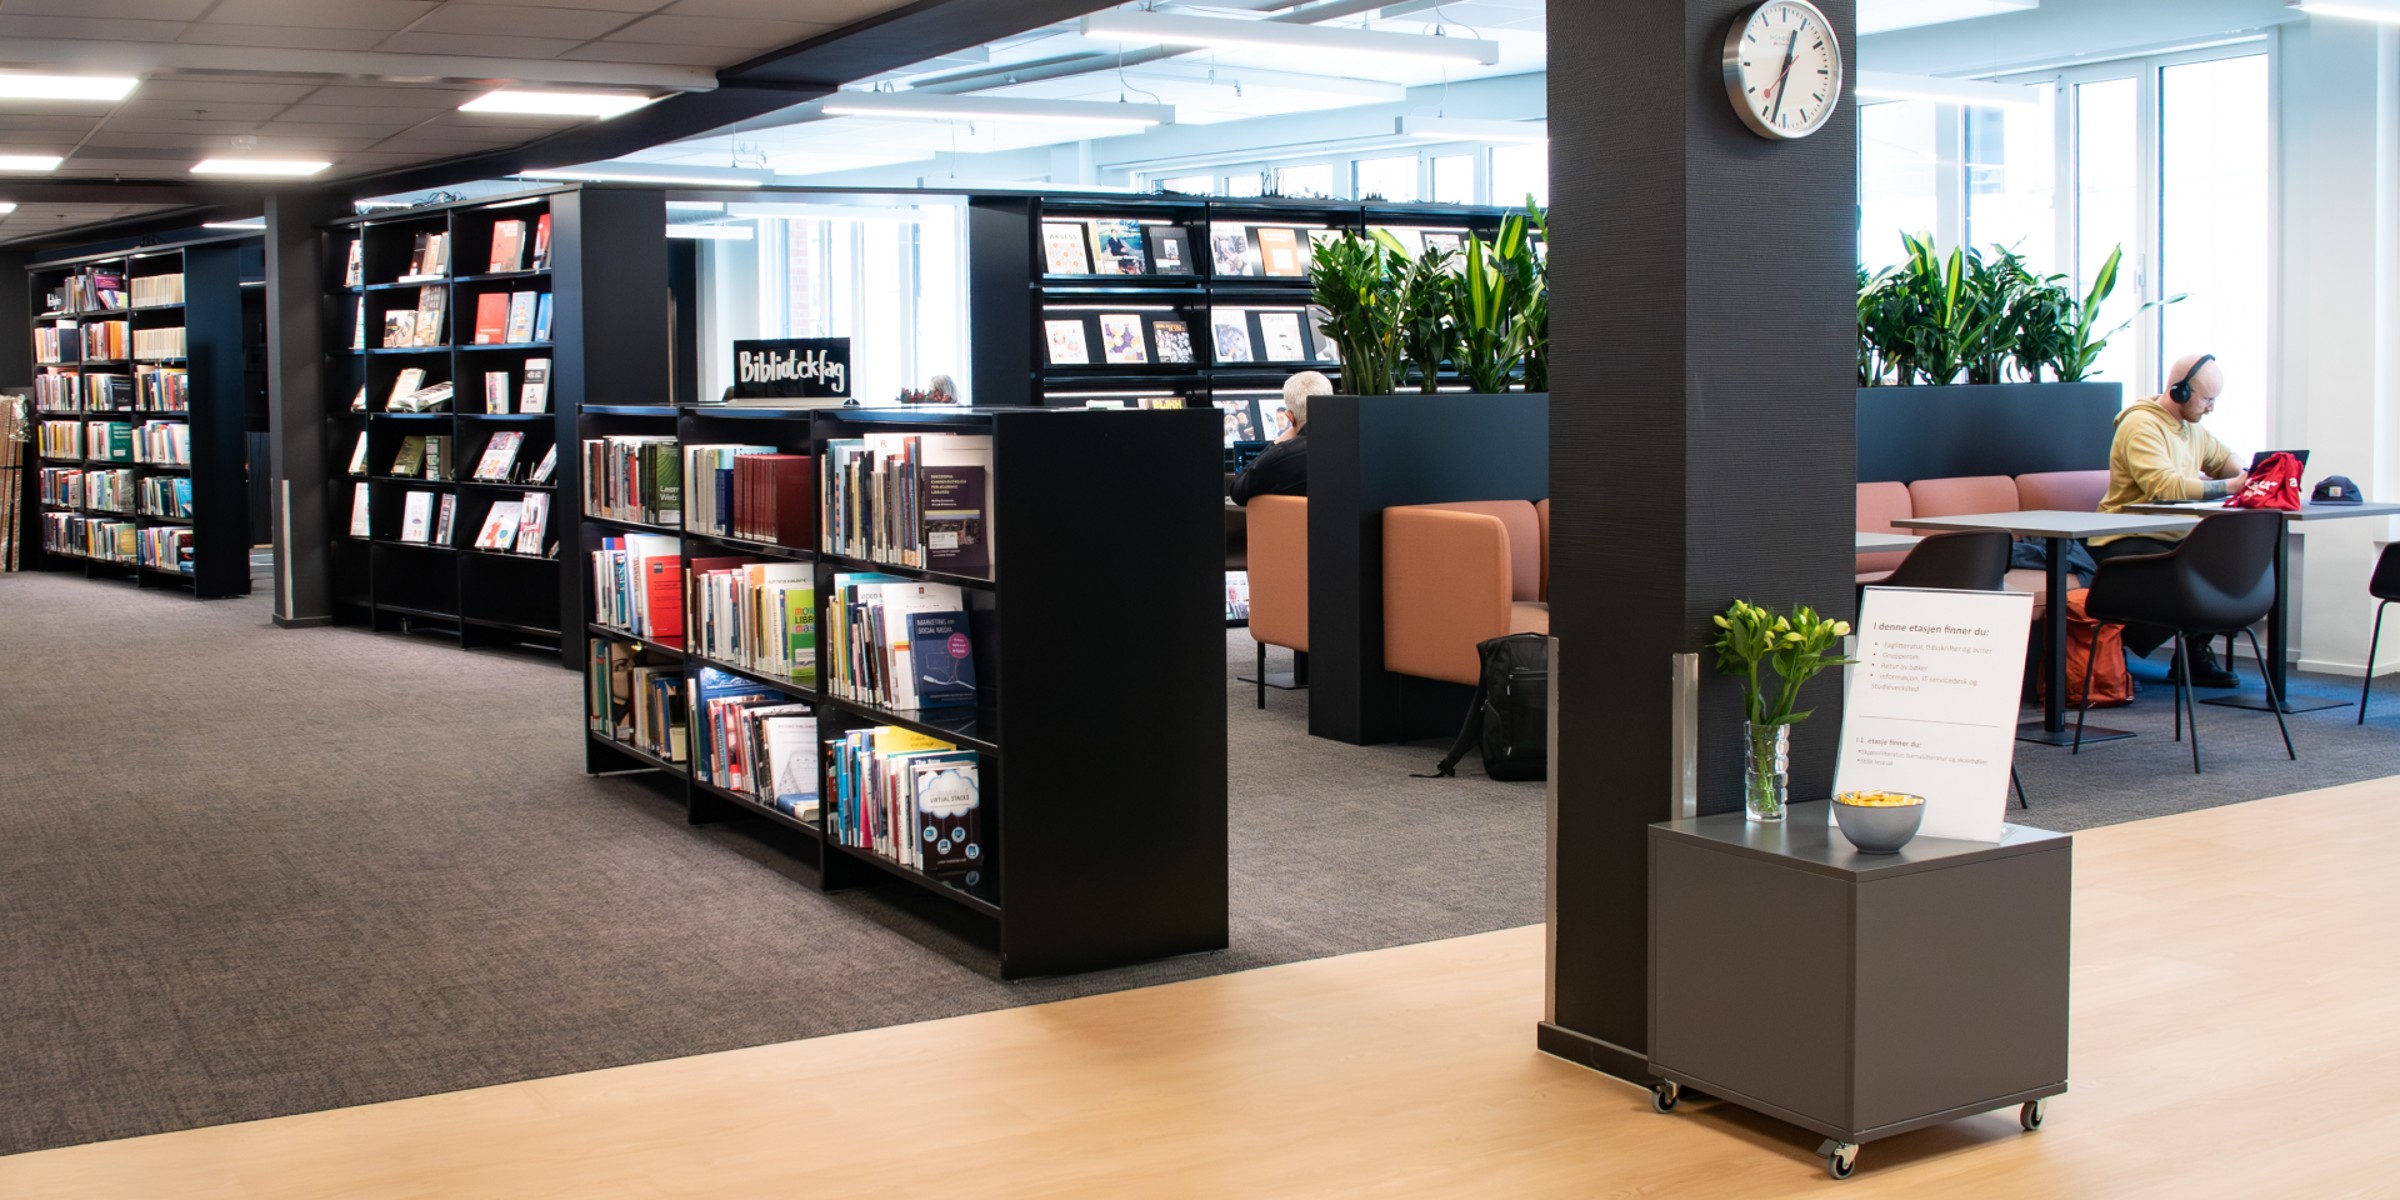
[[1879, 830]]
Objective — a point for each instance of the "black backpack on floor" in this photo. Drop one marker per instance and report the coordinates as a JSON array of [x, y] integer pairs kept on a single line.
[[1510, 716]]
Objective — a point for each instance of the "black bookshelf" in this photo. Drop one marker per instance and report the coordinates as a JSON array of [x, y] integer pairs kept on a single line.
[[601, 345], [1100, 727], [195, 288]]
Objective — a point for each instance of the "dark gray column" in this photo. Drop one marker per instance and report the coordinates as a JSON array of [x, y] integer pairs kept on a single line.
[[297, 288], [1701, 451]]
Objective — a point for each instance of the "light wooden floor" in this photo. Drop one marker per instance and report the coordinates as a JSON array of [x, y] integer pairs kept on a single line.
[[2237, 1033]]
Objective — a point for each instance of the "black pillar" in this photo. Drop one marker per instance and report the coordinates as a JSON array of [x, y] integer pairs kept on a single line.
[[297, 291], [1701, 452]]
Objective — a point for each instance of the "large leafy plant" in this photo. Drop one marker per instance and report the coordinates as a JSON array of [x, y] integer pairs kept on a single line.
[[1353, 279], [1933, 318], [1482, 311]]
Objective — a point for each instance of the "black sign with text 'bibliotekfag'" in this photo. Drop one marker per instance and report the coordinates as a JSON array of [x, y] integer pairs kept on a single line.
[[784, 368]]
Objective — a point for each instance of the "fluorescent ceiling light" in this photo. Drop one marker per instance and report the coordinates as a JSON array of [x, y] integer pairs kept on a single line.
[[1877, 16], [935, 107], [611, 175], [556, 104], [246, 223], [1167, 29], [2361, 10], [279, 167], [712, 233], [7, 206], [1888, 85], [1459, 129], [65, 87], [29, 162]]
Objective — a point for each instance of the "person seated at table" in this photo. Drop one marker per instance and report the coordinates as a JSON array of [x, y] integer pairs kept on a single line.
[[2160, 455], [1282, 470]]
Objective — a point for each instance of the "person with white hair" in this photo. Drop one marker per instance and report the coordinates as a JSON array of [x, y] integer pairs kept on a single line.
[[1283, 469]]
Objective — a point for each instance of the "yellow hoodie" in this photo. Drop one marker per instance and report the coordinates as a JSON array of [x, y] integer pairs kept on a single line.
[[2157, 457]]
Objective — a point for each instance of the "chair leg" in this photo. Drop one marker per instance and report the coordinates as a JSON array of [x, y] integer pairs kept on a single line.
[[2081, 711], [2182, 681], [1262, 675], [2367, 685], [2274, 698], [2017, 781], [2185, 698]]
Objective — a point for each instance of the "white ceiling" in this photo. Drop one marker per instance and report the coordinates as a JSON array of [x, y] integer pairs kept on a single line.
[[369, 85], [35, 220]]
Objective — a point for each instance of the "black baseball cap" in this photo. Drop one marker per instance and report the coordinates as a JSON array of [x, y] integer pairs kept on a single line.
[[2336, 489]]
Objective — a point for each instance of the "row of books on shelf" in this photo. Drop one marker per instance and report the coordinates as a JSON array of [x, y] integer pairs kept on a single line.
[[429, 519], [758, 742], [759, 616], [1122, 246], [103, 538], [1133, 339], [412, 393], [638, 698], [166, 548], [429, 255], [904, 645], [428, 456], [408, 327], [532, 396], [755, 493], [163, 443], [71, 342], [911, 500], [167, 496], [637, 585], [637, 479], [69, 487], [910, 798], [159, 442], [90, 291], [148, 389], [513, 318], [159, 343], [150, 290]]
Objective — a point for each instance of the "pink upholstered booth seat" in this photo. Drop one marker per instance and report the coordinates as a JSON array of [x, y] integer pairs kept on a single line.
[[1455, 575], [1879, 504], [2062, 491], [1279, 571]]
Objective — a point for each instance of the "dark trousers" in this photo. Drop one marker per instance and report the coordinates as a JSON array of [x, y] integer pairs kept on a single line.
[[2140, 639]]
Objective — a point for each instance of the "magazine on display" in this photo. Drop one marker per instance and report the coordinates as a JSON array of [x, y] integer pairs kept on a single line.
[[1063, 248], [1279, 253], [1121, 338], [1232, 332], [1170, 250], [1117, 248], [1281, 340], [1067, 346], [1174, 340], [1232, 251]]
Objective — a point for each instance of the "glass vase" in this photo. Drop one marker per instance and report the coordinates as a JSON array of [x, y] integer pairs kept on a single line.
[[1766, 768]]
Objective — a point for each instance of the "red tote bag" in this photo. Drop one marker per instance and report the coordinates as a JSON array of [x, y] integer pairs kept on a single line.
[[2275, 484]]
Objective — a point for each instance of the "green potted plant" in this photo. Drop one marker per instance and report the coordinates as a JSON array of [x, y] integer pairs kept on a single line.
[[1797, 645]]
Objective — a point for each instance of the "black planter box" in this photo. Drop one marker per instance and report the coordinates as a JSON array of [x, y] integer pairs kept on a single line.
[[1911, 433]]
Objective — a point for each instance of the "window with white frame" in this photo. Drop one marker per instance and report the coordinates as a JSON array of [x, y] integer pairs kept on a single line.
[[1519, 171], [1190, 185], [1449, 173], [1313, 180]]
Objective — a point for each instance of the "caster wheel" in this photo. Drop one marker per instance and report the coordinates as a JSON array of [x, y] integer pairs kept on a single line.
[[1842, 1162], [1664, 1096], [2030, 1114]]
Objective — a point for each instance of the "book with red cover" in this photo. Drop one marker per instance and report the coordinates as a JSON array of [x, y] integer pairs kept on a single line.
[[508, 246], [693, 570], [541, 242], [775, 499], [491, 318], [666, 598]]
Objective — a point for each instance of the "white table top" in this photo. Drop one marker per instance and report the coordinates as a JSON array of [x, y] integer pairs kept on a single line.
[[1878, 543], [2056, 523], [2308, 511]]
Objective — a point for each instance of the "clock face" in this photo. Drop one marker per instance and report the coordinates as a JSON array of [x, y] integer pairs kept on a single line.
[[1783, 69]]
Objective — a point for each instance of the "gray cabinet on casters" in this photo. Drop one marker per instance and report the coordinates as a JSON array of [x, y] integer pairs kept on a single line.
[[1856, 995]]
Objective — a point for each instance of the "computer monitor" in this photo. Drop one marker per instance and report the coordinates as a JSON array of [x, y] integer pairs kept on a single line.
[[1244, 452]]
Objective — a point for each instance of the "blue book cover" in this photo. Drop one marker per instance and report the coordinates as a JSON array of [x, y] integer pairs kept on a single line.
[[717, 685], [942, 654], [541, 319]]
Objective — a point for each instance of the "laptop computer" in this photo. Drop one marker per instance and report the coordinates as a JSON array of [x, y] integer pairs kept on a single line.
[[2256, 461], [1243, 452]]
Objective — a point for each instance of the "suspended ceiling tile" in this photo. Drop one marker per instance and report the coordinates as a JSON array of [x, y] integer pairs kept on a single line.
[[140, 107], [385, 15], [389, 120], [828, 12], [479, 44], [392, 96], [516, 20], [155, 10], [284, 37], [753, 36], [623, 6], [201, 89], [420, 144], [64, 126], [107, 29], [652, 53], [191, 126]]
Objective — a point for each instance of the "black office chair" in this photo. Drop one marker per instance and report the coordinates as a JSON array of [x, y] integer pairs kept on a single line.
[[2385, 587], [1971, 560], [2220, 580]]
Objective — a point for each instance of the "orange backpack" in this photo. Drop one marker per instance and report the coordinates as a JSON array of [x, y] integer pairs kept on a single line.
[[2095, 647]]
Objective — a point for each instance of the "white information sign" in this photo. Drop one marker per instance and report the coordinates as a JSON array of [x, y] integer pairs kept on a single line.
[[1932, 708]]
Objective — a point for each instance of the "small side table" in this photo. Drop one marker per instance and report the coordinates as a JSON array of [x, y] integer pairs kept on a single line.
[[1857, 995]]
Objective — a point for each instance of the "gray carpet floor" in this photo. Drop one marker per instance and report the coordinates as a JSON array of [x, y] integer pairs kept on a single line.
[[246, 872]]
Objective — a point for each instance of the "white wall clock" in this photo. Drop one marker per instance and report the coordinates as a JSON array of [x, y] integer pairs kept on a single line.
[[1783, 69]]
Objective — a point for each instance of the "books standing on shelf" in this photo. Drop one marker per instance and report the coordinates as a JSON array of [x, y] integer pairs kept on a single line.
[[535, 396], [499, 525], [163, 389], [429, 258], [1121, 338], [520, 317], [773, 498], [358, 328], [358, 454], [758, 616], [437, 456], [432, 303], [549, 464], [541, 242], [942, 659], [1279, 252], [910, 798], [108, 289], [637, 479], [399, 328], [404, 385], [163, 443], [61, 439], [157, 289], [1063, 250], [1232, 329], [508, 247], [1233, 251], [358, 403], [158, 343], [645, 704], [1170, 250], [354, 273], [708, 484], [108, 441], [533, 523], [870, 655], [877, 500], [1279, 333], [541, 318], [416, 517], [1067, 346], [1117, 248], [1174, 340], [495, 391], [757, 742], [491, 319], [106, 339], [442, 524], [499, 460], [411, 458], [167, 549], [168, 496], [637, 583], [360, 526]]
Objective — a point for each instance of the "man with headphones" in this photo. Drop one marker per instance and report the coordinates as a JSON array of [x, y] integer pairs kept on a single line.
[[2160, 454]]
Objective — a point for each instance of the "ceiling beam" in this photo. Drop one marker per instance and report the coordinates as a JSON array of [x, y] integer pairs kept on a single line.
[[155, 57], [920, 31]]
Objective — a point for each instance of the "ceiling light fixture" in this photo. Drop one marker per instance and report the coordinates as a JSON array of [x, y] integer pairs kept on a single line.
[[556, 104], [279, 168], [610, 175], [713, 233], [1168, 29], [1460, 129], [29, 162], [935, 107], [1888, 85], [244, 223], [2354, 9], [65, 87], [7, 206]]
